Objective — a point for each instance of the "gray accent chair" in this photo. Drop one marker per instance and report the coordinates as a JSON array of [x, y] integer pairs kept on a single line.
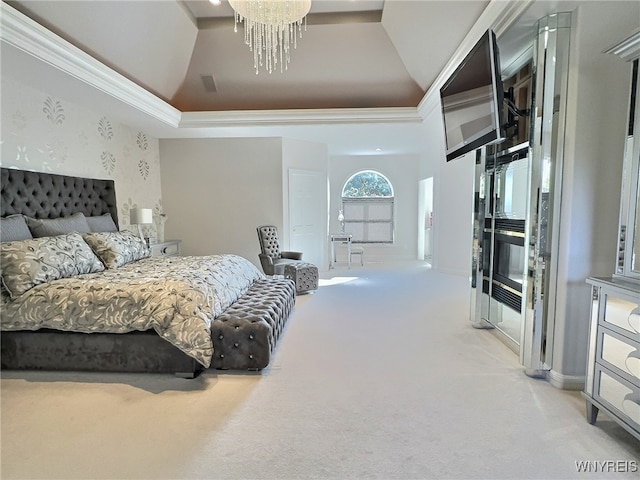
[[271, 257]]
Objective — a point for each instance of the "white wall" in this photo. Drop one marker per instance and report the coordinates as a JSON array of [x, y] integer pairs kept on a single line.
[[453, 197], [44, 133], [402, 172], [594, 143], [452, 218], [217, 191]]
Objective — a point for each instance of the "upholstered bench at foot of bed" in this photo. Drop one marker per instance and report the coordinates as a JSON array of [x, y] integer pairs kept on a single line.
[[245, 335]]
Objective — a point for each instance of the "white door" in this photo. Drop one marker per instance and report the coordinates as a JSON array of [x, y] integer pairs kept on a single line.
[[307, 208]]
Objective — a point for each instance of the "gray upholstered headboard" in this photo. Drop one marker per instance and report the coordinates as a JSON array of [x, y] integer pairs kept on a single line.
[[47, 195]]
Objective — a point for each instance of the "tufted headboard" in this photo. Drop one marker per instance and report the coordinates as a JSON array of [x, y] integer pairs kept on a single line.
[[47, 195]]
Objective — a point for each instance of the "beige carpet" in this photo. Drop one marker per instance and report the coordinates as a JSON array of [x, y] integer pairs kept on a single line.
[[378, 375]]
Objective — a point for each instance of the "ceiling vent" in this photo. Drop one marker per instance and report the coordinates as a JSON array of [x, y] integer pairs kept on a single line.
[[209, 83]]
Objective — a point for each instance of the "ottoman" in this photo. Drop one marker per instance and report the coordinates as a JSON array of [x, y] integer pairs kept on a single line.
[[304, 275]]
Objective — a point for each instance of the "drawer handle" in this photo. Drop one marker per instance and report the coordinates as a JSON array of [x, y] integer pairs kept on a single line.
[[632, 356], [635, 314], [632, 397]]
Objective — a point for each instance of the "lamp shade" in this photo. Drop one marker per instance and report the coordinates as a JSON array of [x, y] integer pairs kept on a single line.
[[140, 216]]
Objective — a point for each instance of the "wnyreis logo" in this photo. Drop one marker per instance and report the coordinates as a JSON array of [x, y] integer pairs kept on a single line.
[[606, 466]]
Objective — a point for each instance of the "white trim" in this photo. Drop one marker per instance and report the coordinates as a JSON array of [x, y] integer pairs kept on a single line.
[[300, 117], [628, 49], [21, 32], [27, 35], [498, 15], [566, 382]]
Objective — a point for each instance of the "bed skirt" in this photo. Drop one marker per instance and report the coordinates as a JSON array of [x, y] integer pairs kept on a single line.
[[103, 352]]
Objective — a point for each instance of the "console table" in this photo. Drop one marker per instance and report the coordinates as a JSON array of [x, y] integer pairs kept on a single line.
[[340, 238]]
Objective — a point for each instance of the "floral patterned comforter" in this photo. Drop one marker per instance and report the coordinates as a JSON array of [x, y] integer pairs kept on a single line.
[[178, 297]]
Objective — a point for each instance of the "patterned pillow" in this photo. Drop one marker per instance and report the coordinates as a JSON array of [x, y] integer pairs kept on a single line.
[[102, 223], [28, 263], [49, 227], [14, 227], [117, 248]]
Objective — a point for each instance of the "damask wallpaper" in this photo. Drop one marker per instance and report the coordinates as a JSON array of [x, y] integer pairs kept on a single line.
[[43, 133]]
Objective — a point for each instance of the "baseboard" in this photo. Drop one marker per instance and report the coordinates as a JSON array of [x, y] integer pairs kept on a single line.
[[566, 382]]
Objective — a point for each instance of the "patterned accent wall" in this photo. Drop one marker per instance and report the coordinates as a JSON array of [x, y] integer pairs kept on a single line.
[[43, 133]]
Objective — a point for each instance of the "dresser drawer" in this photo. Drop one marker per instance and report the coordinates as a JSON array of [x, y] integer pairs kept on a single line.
[[622, 397], [622, 313], [618, 352]]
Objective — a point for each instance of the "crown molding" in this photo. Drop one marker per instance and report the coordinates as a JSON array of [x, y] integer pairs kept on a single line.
[[628, 49], [21, 32], [323, 18], [334, 116], [498, 16]]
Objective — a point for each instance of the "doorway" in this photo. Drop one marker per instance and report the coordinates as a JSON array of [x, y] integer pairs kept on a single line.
[[425, 220]]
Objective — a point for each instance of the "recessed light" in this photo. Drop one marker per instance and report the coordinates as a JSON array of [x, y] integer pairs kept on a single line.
[[215, 2], [378, 149]]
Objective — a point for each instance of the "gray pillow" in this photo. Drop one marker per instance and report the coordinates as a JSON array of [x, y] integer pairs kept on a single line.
[[117, 248], [14, 227], [49, 227], [27, 263], [102, 223]]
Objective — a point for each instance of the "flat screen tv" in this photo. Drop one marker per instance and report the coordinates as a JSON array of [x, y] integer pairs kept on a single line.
[[472, 100]]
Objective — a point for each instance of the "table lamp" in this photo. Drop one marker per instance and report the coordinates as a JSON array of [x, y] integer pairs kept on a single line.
[[141, 216]]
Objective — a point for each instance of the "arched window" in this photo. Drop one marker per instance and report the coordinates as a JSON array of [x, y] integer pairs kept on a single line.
[[367, 206]]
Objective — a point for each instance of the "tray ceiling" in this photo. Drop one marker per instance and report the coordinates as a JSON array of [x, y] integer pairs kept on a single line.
[[353, 54]]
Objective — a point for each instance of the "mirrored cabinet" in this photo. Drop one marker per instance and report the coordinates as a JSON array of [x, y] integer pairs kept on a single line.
[[613, 362]]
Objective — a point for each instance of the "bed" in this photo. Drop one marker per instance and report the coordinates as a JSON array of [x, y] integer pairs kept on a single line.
[[83, 295]]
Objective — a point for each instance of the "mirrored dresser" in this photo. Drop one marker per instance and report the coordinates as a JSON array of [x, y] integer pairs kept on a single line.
[[613, 364], [613, 361]]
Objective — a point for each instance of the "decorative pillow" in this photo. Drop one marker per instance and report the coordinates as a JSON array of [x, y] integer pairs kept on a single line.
[[117, 248], [102, 223], [49, 227], [28, 263], [14, 227]]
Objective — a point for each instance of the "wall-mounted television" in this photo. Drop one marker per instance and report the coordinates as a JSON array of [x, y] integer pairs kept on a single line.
[[472, 100]]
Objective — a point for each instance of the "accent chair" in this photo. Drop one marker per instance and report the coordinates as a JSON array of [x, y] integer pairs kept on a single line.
[[272, 259]]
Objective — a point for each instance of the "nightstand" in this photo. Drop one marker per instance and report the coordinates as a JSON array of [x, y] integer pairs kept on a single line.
[[170, 248]]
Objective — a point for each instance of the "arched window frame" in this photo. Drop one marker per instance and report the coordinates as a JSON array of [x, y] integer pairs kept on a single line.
[[368, 217]]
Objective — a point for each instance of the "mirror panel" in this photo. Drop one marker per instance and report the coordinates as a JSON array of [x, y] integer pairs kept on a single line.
[[628, 255]]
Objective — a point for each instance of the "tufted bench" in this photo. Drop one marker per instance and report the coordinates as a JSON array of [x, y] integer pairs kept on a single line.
[[304, 275], [245, 335]]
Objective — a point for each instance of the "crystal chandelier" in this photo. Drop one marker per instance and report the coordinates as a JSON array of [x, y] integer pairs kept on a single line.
[[270, 28]]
